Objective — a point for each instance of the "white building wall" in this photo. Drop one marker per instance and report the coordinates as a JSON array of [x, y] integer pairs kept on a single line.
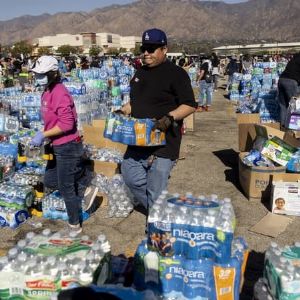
[[129, 42], [61, 39], [108, 40], [103, 39]]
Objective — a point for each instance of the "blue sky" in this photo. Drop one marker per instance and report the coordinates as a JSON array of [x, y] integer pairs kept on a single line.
[[14, 8]]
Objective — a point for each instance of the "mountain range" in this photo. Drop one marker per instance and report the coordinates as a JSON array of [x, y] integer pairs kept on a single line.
[[252, 21]]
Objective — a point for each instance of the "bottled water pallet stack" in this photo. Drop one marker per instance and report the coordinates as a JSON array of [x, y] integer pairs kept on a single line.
[[281, 272], [14, 201], [54, 207], [39, 266], [190, 252], [257, 92]]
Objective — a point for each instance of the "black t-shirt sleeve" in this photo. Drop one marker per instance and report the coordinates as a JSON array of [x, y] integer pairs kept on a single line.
[[183, 89]]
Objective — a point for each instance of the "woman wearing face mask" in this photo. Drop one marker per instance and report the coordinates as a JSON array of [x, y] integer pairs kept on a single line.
[[66, 171]]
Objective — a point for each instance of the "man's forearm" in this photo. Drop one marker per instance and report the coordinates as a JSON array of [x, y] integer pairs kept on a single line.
[[181, 112]]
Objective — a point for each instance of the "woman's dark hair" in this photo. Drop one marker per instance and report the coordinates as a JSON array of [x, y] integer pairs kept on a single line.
[[53, 78]]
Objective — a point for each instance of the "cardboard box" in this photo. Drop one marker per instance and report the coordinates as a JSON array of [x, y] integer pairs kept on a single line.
[[286, 194], [247, 118], [256, 181], [275, 125], [94, 135], [190, 122], [249, 132]]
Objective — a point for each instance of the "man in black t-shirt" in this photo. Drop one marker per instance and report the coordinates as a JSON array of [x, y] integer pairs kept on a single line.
[[159, 90], [288, 87]]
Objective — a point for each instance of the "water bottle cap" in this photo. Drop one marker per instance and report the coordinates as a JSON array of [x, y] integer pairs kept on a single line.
[[164, 192], [22, 257], [73, 234], [32, 262], [12, 252], [211, 212], [51, 260], [227, 200], [62, 266], [277, 252], [171, 205], [176, 195], [202, 198], [46, 232], [297, 244], [168, 210], [196, 213], [30, 235], [21, 243], [4, 260], [85, 238], [96, 247], [101, 238], [273, 245]]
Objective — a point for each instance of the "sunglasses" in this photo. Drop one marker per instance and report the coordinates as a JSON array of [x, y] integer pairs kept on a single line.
[[149, 48]]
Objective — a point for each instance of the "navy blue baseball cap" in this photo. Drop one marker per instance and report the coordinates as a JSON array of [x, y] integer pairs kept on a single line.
[[154, 36]]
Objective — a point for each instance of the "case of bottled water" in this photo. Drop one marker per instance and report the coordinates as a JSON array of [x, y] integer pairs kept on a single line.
[[195, 227], [282, 271], [180, 278], [41, 265]]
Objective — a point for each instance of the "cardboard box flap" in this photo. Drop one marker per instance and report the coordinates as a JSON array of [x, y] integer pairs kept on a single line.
[[269, 132], [286, 177], [94, 136], [247, 118]]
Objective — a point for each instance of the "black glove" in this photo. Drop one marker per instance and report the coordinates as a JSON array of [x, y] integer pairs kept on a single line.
[[164, 123]]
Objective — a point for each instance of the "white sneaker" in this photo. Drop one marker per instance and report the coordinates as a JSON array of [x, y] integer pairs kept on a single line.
[[89, 197], [71, 231]]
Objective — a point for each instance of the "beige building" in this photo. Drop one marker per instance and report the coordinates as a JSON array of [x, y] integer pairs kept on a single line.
[[55, 41], [88, 39]]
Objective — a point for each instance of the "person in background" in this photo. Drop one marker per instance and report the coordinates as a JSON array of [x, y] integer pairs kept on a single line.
[[62, 65], [232, 67], [205, 80], [66, 171], [288, 87], [247, 64], [215, 62], [159, 90]]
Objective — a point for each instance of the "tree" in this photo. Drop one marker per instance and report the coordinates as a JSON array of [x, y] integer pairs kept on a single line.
[[66, 50], [21, 47], [136, 50], [113, 51], [44, 51], [95, 50]]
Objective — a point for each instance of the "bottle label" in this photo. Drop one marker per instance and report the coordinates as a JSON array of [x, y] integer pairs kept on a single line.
[[225, 282]]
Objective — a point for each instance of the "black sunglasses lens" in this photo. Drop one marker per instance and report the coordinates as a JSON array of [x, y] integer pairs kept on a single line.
[[149, 49]]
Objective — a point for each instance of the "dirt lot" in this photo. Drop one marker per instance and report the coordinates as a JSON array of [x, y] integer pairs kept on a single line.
[[209, 166]]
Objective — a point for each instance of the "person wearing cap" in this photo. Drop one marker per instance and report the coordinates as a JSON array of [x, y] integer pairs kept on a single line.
[[159, 90], [66, 171], [288, 87]]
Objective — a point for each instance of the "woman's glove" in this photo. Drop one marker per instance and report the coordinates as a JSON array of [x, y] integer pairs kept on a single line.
[[164, 123], [38, 139]]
